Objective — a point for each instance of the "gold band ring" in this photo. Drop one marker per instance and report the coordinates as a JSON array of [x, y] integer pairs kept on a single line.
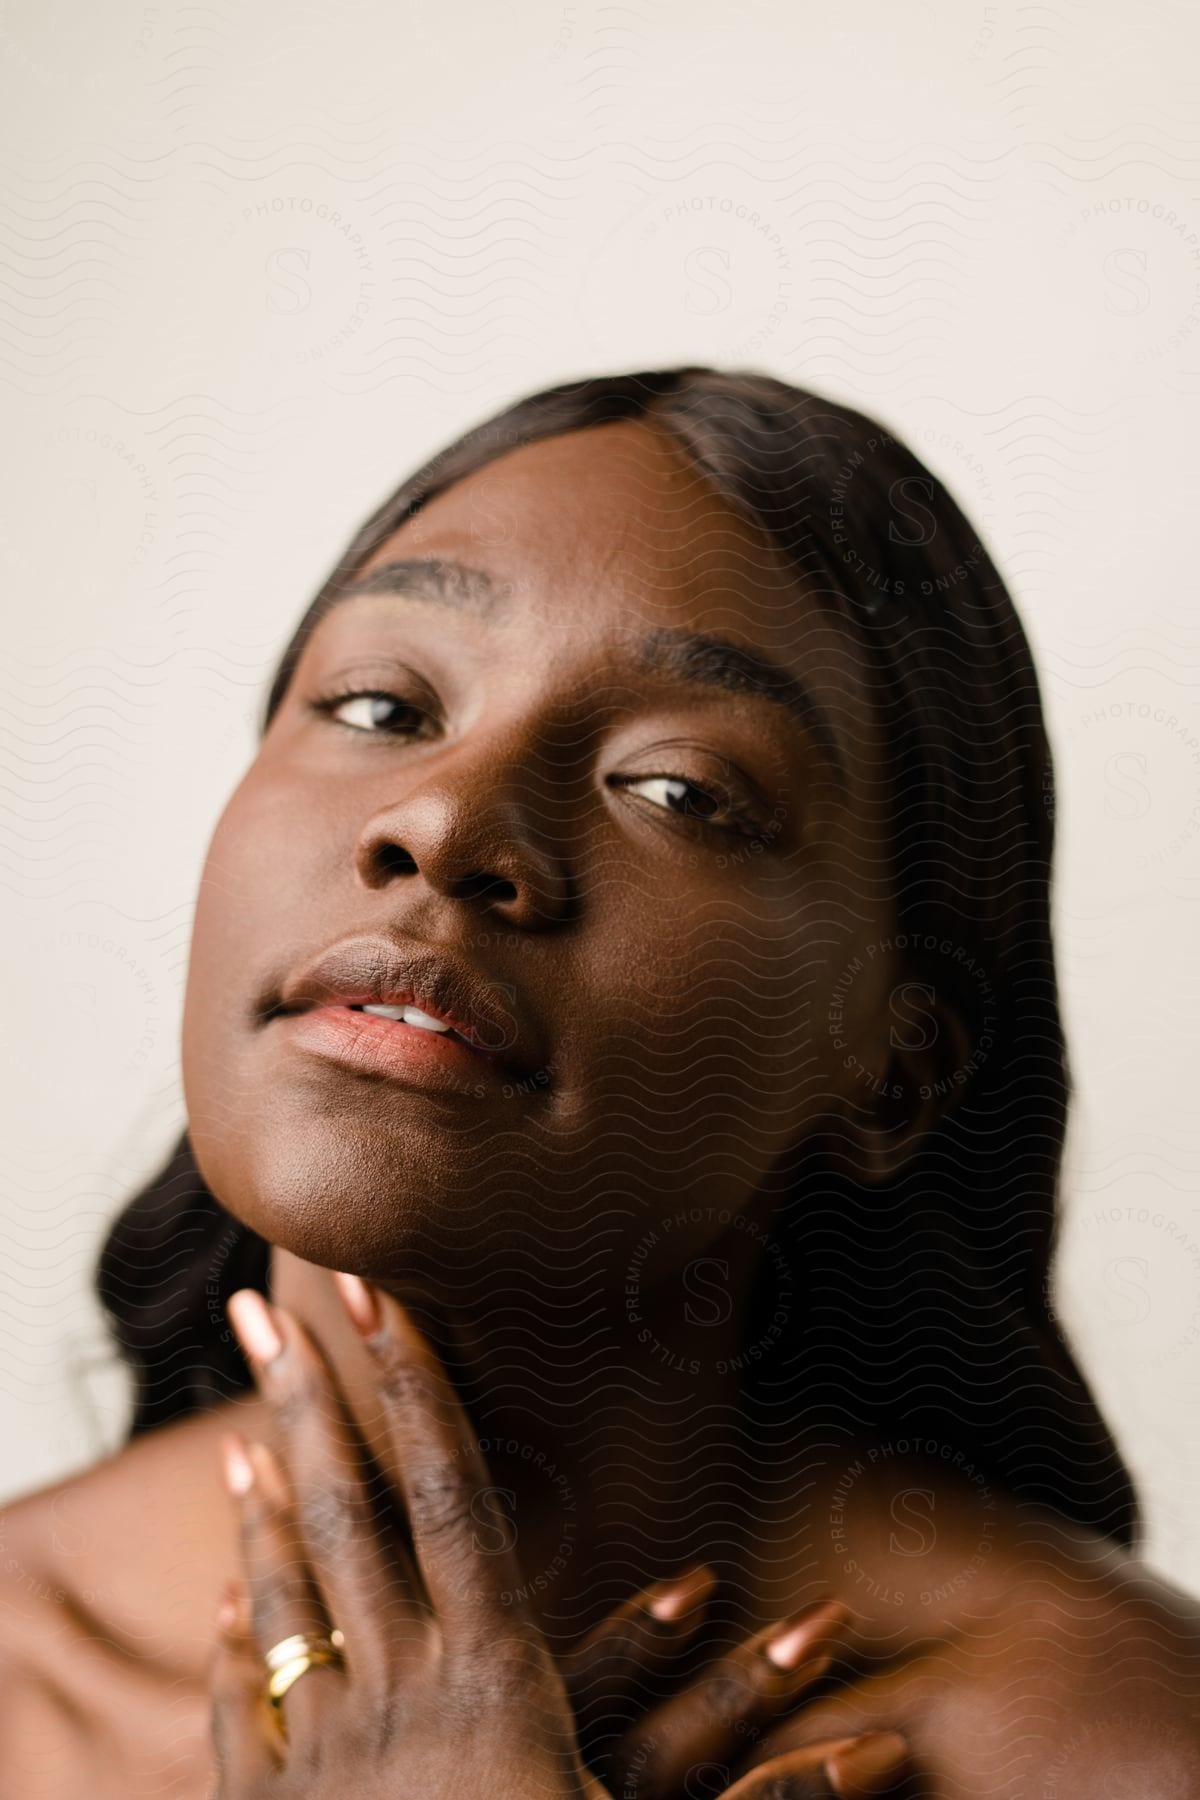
[[293, 1657]]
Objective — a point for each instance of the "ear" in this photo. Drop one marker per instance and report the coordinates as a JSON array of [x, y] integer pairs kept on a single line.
[[921, 1064]]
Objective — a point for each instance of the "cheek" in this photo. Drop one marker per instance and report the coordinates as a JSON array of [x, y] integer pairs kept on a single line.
[[260, 870], [249, 909], [704, 1026], [688, 1068], [236, 865]]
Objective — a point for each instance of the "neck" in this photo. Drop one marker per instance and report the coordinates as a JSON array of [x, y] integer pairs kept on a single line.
[[610, 1426]]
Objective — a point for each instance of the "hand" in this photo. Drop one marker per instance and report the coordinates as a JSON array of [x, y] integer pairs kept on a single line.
[[640, 1640], [464, 1695], [686, 1745], [1081, 1678], [448, 1686]]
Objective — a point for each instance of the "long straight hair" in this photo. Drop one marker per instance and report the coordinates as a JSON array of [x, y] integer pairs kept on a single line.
[[926, 1316]]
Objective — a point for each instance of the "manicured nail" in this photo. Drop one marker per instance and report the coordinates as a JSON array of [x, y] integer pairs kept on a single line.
[[228, 1608], [257, 1331], [800, 1637], [869, 1766], [239, 1473], [360, 1302], [672, 1599], [267, 1472]]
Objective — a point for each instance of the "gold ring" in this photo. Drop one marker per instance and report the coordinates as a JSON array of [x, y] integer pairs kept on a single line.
[[293, 1657]]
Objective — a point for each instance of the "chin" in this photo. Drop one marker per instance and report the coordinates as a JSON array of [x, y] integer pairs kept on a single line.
[[381, 1202]]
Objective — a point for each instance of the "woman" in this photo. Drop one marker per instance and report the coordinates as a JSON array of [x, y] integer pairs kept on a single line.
[[629, 952]]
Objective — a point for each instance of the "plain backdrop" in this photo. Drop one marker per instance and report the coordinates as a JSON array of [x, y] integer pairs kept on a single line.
[[257, 262]]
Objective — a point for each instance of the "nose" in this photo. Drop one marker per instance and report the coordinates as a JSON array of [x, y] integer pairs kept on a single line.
[[481, 850]]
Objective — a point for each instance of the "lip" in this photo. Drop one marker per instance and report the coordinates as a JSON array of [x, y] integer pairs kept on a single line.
[[404, 1053], [492, 1035]]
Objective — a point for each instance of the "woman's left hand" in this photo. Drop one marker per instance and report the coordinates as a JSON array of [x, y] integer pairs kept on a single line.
[[448, 1686]]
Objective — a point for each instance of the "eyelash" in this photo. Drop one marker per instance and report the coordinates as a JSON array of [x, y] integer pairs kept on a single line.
[[327, 704], [741, 816]]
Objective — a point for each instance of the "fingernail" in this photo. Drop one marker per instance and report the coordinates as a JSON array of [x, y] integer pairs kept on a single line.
[[228, 1608], [868, 1767], [257, 1331], [267, 1472], [800, 1636], [239, 1472], [360, 1302], [672, 1599]]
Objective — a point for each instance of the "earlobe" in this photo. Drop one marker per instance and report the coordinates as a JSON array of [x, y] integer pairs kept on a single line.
[[881, 1128], [885, 1119]]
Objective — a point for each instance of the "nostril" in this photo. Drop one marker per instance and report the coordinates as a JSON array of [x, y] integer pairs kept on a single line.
[[393, 860], [485, 887]]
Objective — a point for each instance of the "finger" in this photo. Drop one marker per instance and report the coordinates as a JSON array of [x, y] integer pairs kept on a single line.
[[631, 1649], [241, 1731], [876, 1703], [442, 1471], [283, 1597], [866, 1768], [640, 1638], [368, 1585], [715, 1718]]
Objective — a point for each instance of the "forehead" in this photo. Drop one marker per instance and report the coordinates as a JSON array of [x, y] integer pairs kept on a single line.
[[613, 530], [607, 555]]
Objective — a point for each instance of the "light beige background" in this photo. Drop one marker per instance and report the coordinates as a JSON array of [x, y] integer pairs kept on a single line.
[[256, 262]]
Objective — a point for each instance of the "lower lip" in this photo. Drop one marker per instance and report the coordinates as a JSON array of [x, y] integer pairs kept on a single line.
[[408, 1054]]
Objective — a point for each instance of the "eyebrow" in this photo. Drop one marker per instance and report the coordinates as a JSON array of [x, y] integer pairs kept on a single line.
[[431, 578], [698, 658], [709, 661]]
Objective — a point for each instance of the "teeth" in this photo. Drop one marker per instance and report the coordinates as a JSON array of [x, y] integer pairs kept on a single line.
[[411, 1015]]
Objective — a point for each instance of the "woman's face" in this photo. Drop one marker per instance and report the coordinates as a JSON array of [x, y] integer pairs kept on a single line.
[[624, 777]]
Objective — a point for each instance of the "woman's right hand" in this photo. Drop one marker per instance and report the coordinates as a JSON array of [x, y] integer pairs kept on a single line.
[[689, 1745], [315, 1549]]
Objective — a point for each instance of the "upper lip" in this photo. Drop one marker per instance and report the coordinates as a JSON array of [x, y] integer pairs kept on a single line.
[[382, 971]]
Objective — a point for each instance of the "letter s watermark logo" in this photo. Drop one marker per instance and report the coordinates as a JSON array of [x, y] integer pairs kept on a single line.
[[1134, 1305], [1128, 797], [911, 1003], [713, 281], [1126, 293], [288, 291], [920, 520], [717, 1306], [912, 1509], [498, 1534]]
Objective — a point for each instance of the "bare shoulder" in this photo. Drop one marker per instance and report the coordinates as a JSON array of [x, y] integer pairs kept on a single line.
[[40, 1731], [1084, 1672], [108, 1584], [134, 1548], [67, 1552], [34, 1601]]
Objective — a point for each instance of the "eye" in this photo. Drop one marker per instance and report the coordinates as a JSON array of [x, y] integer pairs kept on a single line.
[[677, 795], [693, 801], [367, 710]]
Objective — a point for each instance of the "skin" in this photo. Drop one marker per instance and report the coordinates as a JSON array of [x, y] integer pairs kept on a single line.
[[452, 1687], [682, 1063], [675, 983], [541, 705]]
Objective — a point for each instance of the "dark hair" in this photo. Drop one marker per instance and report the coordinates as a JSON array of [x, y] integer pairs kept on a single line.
[[926, 1313]]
